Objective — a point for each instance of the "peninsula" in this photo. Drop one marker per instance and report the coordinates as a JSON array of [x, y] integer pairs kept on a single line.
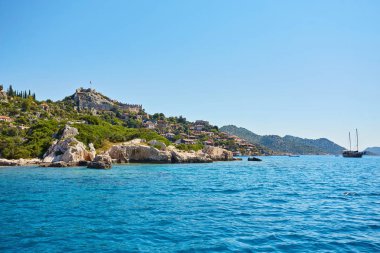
[[88, 128]]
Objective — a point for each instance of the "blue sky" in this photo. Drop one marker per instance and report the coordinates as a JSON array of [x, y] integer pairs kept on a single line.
[[305, 68]]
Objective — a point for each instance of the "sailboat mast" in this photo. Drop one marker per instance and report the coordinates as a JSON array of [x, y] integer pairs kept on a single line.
[[357, 140], [349, 138]]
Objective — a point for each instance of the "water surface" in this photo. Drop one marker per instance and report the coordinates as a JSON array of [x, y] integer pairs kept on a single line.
[[283, 204]]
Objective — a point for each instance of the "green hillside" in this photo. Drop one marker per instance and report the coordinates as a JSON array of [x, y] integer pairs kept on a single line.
[[29, 126]]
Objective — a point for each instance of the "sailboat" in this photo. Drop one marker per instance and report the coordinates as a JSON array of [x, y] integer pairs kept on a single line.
[[353, 153]]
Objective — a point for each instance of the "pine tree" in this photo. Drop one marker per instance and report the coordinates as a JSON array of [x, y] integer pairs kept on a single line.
[[10, 91]]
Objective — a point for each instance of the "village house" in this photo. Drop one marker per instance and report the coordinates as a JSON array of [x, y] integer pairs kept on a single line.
[[5, 119], [208, 143], [192, 137], [188, 141], [199, 127], [175, 126], [149, 125]]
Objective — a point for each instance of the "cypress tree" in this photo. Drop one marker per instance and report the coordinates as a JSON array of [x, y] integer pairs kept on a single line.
[[10, 91]]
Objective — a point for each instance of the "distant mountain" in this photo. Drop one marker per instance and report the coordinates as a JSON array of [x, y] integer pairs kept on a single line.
[[287, 144], [373, 151]]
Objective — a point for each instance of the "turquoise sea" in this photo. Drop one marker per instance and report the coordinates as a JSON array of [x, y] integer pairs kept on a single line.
[[283, 204]]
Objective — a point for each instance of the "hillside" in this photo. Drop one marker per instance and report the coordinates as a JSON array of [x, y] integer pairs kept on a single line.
[[372, 151], [287, 144], [29, 126]]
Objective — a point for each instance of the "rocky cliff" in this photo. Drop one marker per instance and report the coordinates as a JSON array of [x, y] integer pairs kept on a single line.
[[90, 99], [139, 151], [68, 149]]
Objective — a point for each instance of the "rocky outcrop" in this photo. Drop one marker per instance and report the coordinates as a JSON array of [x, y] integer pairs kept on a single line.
[[86, 99], [69, 131], [19, 162], [101, 162], [92, 150], [179, 156], [218, 154], [59, 164], [3, 95], [157, 144], [68, 149], [138, 152], [90, 99]]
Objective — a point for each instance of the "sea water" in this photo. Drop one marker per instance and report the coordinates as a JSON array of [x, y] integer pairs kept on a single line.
[[283, 204]]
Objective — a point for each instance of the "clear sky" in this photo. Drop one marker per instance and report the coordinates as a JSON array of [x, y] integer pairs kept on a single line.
[[304, 68]]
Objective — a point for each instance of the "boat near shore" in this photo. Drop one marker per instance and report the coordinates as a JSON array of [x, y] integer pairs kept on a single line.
[[352, 154], [254, 159]]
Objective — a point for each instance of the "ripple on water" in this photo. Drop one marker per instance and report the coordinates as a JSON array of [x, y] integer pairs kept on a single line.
[[308, 204]]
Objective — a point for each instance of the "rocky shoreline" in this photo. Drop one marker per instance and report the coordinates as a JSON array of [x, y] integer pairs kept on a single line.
[[69, 152], [19, 162]]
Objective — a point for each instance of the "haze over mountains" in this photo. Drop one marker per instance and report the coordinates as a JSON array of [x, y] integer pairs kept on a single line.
[[286, 144], [373, 151]]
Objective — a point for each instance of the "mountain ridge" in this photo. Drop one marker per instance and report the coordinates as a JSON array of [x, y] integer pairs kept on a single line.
[[372, 151], [287, 144]]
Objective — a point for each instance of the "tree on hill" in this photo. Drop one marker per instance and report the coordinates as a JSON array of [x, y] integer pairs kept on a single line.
[[10, 91]]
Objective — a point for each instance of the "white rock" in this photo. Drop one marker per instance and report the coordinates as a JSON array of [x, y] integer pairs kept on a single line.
[[69, 131], [67, 150], [218, 154]]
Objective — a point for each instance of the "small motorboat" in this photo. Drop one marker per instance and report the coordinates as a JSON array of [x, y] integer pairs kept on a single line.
[[254, 159], [294, 156]]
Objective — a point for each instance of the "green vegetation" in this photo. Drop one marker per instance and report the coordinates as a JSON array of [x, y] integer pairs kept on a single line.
[[27, 143], [22, 94], [103, 132], [35, 124], [188, 147]]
